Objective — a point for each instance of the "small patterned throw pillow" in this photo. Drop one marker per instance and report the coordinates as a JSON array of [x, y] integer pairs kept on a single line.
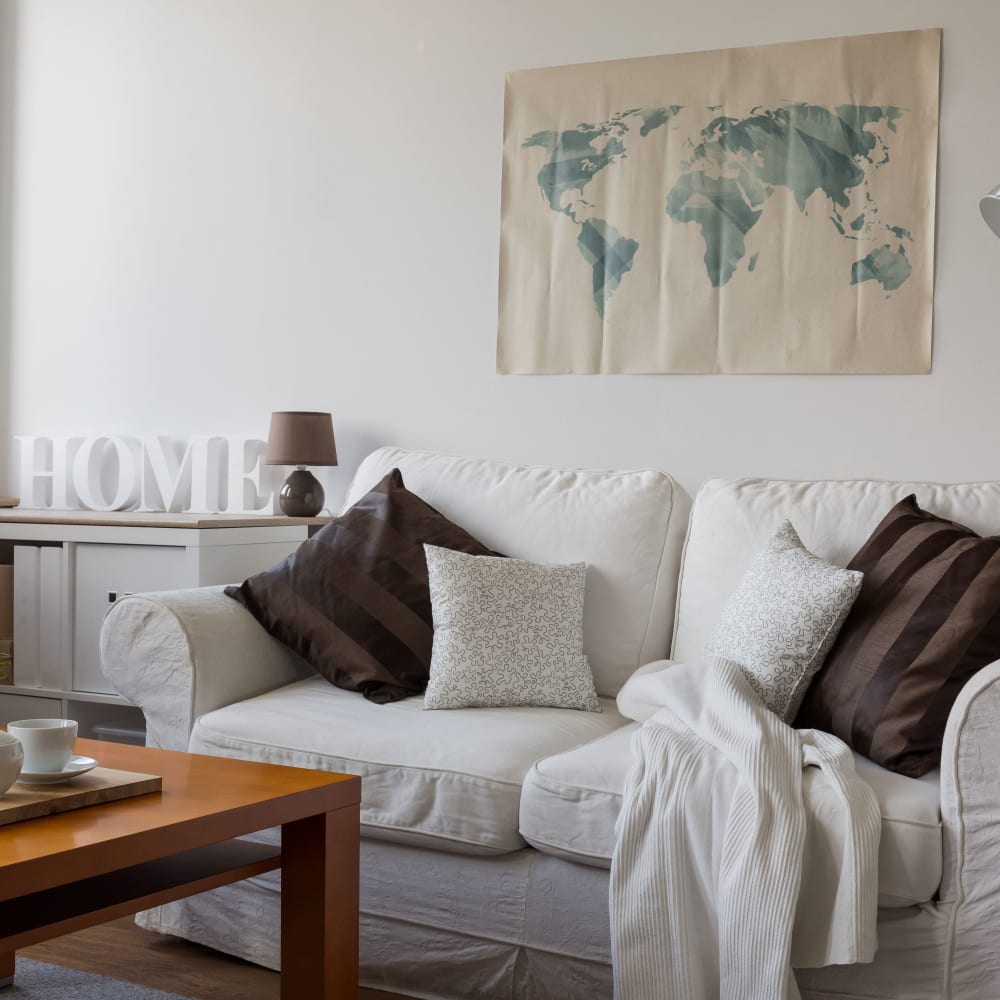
[[506, 632], [783, 619]]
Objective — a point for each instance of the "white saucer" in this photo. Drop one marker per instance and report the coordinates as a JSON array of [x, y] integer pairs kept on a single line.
[[75, 766]]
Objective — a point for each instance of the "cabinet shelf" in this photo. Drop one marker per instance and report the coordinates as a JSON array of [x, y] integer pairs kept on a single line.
[[66, 695]]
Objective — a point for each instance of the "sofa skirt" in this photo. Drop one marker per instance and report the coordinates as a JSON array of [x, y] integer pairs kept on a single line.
[[527, 925], [436, 925]]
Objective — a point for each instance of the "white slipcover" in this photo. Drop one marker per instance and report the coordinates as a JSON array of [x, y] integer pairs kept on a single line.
[[436, 924], [181, 655], [444, 779], [732, 519], [628, 527], [570, 802]]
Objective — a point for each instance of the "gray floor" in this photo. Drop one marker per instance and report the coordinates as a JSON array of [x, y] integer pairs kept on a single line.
[[35, 980]]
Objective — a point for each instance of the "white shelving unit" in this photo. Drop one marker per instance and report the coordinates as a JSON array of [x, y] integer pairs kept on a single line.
[[104, 556]]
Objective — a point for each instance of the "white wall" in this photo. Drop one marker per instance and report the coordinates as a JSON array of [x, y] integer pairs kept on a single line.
[[224, 207], [8, 68]]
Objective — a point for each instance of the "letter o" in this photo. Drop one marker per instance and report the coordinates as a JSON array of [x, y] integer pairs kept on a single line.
[[87, 467]]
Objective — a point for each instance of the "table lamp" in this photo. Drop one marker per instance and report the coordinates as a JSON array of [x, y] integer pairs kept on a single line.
[[301, 438], [989, 205]]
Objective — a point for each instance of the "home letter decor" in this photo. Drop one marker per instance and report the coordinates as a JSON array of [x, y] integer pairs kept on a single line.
[[122, 473], [763, 209], [244, 496], [190, 483], [49, 459], [89, 470]]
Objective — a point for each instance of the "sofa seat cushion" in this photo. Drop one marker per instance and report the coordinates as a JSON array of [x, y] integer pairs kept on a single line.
[[571, 801], [446, 780]]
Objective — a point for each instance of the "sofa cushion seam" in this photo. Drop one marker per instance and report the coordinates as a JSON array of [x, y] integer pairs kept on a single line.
[[234, 744]]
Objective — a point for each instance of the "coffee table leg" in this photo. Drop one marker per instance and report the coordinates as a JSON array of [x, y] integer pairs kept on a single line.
[[6, 969], [319, 906]]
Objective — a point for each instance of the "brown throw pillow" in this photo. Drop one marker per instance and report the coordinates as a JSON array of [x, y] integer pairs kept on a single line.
[[927, 618], [354, 599]]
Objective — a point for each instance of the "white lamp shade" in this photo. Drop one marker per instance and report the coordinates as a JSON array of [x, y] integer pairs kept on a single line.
[[989, 205]]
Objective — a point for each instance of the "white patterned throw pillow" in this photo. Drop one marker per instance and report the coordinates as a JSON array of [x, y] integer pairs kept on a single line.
[[506, 632], [783, 619]]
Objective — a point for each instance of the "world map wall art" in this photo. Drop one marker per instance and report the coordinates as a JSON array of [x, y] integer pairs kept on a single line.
[[764, 209]]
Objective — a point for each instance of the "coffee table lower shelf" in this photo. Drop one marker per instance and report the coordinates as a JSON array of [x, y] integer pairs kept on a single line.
[[72, 907]]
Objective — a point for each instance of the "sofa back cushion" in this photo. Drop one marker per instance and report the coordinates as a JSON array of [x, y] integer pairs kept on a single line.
[[733, 518], [628, 527]]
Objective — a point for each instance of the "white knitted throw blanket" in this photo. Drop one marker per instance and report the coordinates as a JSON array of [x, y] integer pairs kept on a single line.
[[708, 860]]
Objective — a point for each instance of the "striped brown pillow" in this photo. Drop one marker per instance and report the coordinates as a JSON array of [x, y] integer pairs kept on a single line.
[[927, 618], [354, 599]]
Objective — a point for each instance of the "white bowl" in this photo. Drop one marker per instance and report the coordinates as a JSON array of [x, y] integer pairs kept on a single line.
[[11, 759]]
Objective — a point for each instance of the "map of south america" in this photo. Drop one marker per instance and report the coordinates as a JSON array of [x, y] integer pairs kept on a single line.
[[576, 156]]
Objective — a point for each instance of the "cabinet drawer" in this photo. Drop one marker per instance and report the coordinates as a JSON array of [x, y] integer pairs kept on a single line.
[[102, 570]]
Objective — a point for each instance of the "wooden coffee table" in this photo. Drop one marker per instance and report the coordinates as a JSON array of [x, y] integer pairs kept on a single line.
[[66, 872]]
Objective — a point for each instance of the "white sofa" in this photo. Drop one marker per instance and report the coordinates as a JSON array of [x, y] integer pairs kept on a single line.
[[454, 902]]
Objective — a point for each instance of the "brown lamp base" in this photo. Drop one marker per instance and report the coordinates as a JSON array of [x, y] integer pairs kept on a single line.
[[302, 495]]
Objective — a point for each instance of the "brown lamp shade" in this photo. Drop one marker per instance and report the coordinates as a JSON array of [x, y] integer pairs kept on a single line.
[[299, 437]]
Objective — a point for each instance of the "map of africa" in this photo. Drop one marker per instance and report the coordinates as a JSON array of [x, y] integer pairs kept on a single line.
[[726, 183]]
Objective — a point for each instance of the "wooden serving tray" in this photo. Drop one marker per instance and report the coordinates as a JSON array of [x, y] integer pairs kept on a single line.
[[103, 784]]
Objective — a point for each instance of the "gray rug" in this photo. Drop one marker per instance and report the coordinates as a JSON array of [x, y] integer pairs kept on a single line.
[[35, 980]]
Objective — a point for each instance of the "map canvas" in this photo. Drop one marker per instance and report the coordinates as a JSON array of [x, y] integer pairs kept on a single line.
[[765, 209]]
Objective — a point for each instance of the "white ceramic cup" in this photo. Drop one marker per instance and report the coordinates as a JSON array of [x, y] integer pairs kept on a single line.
[[11, 758], [47, 743]]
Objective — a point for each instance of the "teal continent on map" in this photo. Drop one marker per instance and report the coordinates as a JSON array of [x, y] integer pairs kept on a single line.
[[575, 157], [735, 166], [739, 163]]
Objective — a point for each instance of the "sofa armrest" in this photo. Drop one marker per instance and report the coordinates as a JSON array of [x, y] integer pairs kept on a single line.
[[970, 813], [179, 654]]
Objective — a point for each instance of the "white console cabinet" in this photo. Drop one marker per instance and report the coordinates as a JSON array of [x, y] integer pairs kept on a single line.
[[101, 557]]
